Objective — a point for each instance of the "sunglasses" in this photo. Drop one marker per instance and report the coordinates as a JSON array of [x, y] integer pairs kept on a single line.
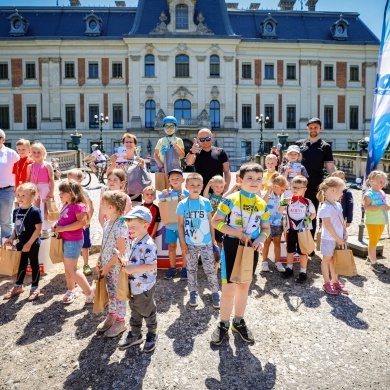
[[206, 139], [169, 126]]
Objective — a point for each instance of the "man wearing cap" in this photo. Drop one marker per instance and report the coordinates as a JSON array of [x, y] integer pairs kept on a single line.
[[316, 154], [209, 160]]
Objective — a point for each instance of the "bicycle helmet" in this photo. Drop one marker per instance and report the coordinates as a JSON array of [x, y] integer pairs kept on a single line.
[[169, 119], [94, 146]]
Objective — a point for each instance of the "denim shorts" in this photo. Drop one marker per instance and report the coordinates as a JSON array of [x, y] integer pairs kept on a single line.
[[72, 249]]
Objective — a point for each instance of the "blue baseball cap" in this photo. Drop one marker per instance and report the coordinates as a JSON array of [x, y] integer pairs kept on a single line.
[[177, 170], [138, 212]]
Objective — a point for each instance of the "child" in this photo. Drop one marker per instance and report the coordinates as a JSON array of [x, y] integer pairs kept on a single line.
[[247, 217], [41, 174], [375, 207], [20, 168], [333, 231], [175, 179], [166, 143], [149, 196], [73, 218], [217, 184], [293, 167], [197, 237], [143, 273], [27, 227], [77, 175], [115, 236], [271, 162], [300, 210], [116, 181], [346, 200], [276, 186]]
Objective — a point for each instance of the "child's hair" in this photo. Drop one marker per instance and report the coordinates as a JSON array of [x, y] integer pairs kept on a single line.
[[149, 188], [329, 182], [39, 145], [237, 174], [30, 187], [194, 176], [218, 179], [116, 199], [119, 173], [74, 189], [338, 174], [24, 142], [250, 167], [299, 179], [374, 174], [270, 157], [128, 135], [278, 179], [75, 172]]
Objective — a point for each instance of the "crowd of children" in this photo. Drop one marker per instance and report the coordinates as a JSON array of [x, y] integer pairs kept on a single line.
[[261, 209]]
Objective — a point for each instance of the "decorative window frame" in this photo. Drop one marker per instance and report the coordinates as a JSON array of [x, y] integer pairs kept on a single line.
[[191, 16], [19, 25], [93, 25], [268, 28], [339, 29]]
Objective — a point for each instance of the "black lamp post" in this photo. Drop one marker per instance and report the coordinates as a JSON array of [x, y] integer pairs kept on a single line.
[[100, 120], [260, 120], [363, 144]]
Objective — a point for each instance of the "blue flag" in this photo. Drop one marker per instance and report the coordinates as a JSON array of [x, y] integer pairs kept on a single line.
[[380, 123]]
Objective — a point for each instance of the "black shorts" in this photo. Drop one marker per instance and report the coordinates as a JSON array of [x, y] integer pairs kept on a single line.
[[292, 242], [230, 246], [218, 236]]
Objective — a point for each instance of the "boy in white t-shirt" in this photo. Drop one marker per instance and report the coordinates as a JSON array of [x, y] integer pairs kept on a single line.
[[300, 210]]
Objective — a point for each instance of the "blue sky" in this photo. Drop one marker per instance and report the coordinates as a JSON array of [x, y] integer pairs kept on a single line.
[[371, 12]]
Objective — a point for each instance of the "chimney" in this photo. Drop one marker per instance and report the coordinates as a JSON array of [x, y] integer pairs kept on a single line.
[[286, 5], [120, 3], [311, 5], [75, 3], [254, 6], [232, 5]]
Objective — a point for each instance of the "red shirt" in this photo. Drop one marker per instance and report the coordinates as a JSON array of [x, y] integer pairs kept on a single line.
[[20, 170], [155, 211]]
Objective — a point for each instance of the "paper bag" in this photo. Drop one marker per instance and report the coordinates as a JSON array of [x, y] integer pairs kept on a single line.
[[9, 262], [306, 242], [243, 264], [100, 300], [344, 262], [318, 239], [161, 181], [168, 208], [56, 250], [123, 287], [52, 212]]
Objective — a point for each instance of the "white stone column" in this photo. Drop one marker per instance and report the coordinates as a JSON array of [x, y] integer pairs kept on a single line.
[[201, 77], [371, 71], [54, 85], [45, 79], [163, 77], [135, 72], [230, 100]]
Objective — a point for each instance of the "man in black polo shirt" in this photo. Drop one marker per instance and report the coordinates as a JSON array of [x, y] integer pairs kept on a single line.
[[316, 154]]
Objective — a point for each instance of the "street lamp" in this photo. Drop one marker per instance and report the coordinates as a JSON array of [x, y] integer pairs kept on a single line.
[[260, 120], [100, 120], [363, 144]]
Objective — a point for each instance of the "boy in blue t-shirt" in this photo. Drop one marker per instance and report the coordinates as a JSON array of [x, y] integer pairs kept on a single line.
[[197, 237], [175, 179]]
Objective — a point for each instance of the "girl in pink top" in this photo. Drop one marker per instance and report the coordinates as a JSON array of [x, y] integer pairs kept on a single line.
[[73, 217]]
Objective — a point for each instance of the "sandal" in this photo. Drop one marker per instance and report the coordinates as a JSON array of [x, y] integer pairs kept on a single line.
[[34, 294], [329, 289], [69, 297], [340, 287], [16, 290]]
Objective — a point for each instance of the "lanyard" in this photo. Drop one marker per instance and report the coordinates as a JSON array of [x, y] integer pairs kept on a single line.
[[250, 216], [20, 223]]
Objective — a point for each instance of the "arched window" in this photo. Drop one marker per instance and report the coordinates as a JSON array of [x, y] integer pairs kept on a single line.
[[214, 66], [182, 66], [149, 65], [181, 17], [182, 109], [150, 113], [215, 114]]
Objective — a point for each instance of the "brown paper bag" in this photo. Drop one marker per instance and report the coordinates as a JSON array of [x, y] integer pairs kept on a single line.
[[161, 181], [243, 264], [52, 212], [168, 208], [56, 250], [318, 240], [100, 300], [9, 262], [306, 242], [344, 262], [123, 287]]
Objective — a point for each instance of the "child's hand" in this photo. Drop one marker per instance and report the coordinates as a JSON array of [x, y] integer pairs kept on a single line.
[[237, 187], [348, 224], [257, 245], [104, 270], [340, 241], [386, 207], [160, 164], [184, 249], [165, 192], [182, 196], [26, 247]]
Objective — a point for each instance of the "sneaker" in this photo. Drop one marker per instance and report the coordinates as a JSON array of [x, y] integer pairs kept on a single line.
[[279, 267], [378, 267], [115, 330], [34, 294], [340, 287], [151, 341], [106, 324], [87, 270], [219, 334], [170, 273], [16, 290], [130, 341], [183, 274], [302, 277], [243, 331], [329, 289], [264, 267], [193, 298], [288, 273], [216, 300]]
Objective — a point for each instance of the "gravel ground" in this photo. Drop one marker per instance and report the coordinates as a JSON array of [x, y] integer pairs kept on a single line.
[[305, 339]]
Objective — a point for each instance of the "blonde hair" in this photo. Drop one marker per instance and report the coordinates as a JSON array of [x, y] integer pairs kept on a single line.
[[338, 174], [149, 188], [299, 179], [329, 182], [30, 187], [278, 179], [270, 157], [39, 145], [128, 135], [73, 188], [194, 176], [218, 179], [116, 199], [24, 142], [75, 172], [374, 174]]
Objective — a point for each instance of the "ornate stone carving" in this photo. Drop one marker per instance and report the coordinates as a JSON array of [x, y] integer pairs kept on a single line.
[[163, 58], [149, 48], [204, 119], [135, 58], [201, 58], [159, 117], [161, 27], [314, 62], [149, 92], [182, 92], [202, 28], [44, 60], [56, 60], [223, 105], [304, 62], [228, 58], [214, 48], [371, 64], [214, 92], [182, 48]]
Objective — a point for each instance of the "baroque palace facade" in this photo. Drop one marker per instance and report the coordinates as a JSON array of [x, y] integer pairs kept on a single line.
[[207, 62]]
